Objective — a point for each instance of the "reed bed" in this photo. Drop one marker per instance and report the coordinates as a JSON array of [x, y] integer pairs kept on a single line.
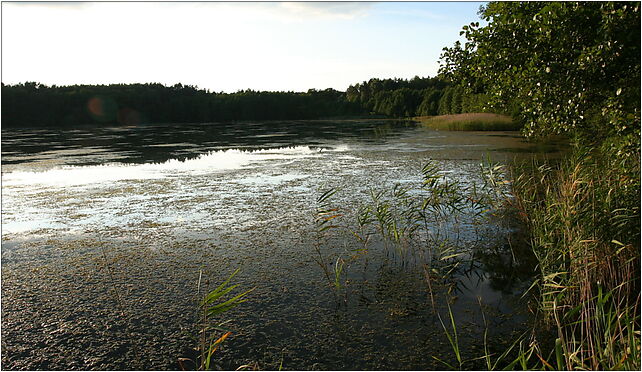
[[583, 216], [412, 225], [470, 122]]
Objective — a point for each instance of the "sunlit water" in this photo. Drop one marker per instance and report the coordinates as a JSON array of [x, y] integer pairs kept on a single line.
[[106, 232]]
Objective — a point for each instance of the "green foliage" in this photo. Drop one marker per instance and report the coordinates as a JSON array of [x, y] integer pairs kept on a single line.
[[430, 102], [399, 97], [212, 336], [562, 67], [445, 103], [211, 301], [34, 104]]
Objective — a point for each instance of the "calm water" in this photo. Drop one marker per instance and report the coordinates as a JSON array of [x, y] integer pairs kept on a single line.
[[105, 232]]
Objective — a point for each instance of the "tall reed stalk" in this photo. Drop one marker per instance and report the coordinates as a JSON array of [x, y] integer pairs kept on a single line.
[[583, 216], [212, 336]]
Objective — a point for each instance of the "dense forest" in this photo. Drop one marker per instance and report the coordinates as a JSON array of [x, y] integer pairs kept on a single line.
[[33, 104], [414, 97], [40, 105]]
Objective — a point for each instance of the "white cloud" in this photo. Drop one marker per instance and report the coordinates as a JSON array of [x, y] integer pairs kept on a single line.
[[416, 14], [340, 10]]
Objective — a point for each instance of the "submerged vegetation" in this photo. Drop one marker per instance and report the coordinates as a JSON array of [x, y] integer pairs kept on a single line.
[[470, 121], [557, 68], [441, 227], [583, 227], [435, 226]]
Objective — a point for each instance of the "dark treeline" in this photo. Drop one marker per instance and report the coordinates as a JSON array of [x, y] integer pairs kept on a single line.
[[31, 104], [34, 104], [414, 97]]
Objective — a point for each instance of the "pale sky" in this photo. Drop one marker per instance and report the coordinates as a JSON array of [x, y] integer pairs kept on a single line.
[[227, 46]]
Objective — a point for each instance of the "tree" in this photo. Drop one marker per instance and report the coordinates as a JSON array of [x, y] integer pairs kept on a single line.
[[429, 103], [456, 100], [445, 102], [567, 67]]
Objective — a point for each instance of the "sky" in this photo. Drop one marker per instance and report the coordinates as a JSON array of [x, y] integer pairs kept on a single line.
[[226, 47]]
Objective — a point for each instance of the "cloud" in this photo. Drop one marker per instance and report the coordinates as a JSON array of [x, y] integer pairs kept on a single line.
[[417, 13], [51, 4], [341, 10]]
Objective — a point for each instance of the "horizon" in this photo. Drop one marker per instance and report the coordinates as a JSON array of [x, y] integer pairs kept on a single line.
[[334, 44], [201, 88]]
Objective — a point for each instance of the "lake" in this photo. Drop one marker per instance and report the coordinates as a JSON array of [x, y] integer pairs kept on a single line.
[[111, 236]]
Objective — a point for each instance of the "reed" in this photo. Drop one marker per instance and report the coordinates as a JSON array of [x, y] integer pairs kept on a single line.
[[325, 215], [410, 224], [327, 219], [521, 356], [583, 218], [470, 122], [583, 215], [212, 336]]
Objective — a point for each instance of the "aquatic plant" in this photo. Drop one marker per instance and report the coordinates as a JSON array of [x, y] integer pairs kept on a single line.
[[325, 216], [452, 340], [211, 337], [583, 215], [411, 224]]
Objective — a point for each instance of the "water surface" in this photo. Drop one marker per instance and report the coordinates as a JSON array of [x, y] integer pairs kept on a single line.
[[107, 231]]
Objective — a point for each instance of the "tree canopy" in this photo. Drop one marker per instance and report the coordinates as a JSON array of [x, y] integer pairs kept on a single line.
[[561, 67], [414, 97]]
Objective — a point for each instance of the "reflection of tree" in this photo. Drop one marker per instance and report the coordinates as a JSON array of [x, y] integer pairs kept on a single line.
[[184, 141], [506, 265]]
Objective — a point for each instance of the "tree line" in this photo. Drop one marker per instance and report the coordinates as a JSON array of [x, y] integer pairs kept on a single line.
[[34, 104], [415, 97]]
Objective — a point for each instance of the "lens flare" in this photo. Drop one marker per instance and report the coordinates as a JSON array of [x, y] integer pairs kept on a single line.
[[102, 109]]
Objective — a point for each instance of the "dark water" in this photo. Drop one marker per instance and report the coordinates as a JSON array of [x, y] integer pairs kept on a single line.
[[106, 232]]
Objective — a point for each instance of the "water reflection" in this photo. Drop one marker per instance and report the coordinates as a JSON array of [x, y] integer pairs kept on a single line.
[[211, 162], [160, 143]]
